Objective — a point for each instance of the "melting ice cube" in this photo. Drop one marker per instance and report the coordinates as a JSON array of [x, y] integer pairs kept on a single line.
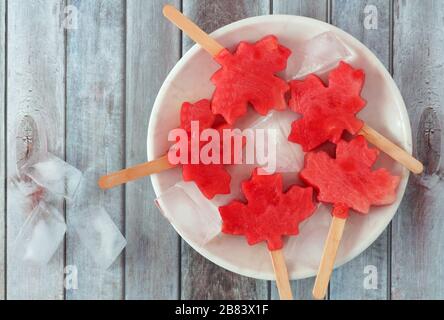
[[55, 175], [87, 192], [289, 156], [40, 236], [321, 53], [190, 212], [26, 186], [23, 195], [98, 233]]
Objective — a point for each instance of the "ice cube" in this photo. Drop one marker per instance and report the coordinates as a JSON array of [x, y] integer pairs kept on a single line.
[[88, 192], [25, 185], [320, 54], [98, 233], [289, 156], [190, 212], [23, 195], [55, 175], [40, 236]]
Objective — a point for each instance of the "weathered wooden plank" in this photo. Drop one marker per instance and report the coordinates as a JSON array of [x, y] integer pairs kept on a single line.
[[417, 251], [2, 149], [318, 10], [348, 281], [95, 129], [152, 253], [201, 279], [35, 78]]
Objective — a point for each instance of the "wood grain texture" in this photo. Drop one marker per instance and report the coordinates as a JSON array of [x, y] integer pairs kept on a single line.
[[2, 149], [347, 282], [35, 78], [201, 279], [417, 250], [95, 131], [152, 253], [318, 10]]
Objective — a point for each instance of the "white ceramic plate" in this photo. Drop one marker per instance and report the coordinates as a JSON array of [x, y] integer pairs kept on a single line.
[[385, 111]]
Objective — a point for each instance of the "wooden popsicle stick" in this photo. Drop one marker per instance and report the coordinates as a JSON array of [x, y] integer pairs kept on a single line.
[[328, 257], [136, 172], [388, 147], [281, 273], [192, 30]]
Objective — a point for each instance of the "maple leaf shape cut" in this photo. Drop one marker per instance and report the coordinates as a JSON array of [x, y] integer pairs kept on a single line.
[[269, 213], [326, 111], [348, 181], [212, 178], [248, 76]]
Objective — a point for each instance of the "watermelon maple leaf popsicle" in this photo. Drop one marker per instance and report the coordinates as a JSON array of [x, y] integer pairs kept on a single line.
[[211, 179], [268, 215], [347, 182], [328, 111], [248, 76]]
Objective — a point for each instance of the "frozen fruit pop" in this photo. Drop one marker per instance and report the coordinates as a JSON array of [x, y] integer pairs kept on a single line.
[[268, 215], [248, 76], [212, 178], [200, 112], [347, 182], [328, 111]]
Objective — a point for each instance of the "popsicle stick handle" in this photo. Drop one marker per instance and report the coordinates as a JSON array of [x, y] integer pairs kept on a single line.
[[281, 273], [328, 257], [192, 30], [133, 173], [397, 153]]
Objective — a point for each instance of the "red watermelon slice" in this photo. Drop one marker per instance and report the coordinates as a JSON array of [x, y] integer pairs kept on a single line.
[[326, 110], [198, 111], [348, 181], [248, 76], [211, 179], [269, 213]]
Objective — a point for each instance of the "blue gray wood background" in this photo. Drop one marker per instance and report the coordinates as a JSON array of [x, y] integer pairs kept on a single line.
[[96, 66]]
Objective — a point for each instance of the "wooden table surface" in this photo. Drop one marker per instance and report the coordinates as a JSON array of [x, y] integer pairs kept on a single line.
[[96, 67]]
